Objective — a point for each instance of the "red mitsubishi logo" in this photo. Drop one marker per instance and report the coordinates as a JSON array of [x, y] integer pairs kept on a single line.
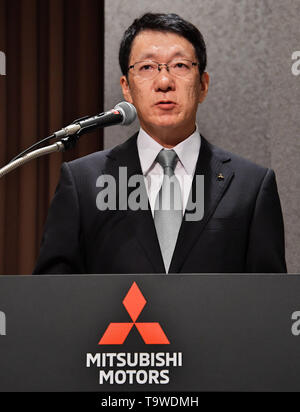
[[151, 332]]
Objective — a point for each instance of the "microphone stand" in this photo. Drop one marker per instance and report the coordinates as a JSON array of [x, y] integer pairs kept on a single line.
[[60, 146], [70, 135]]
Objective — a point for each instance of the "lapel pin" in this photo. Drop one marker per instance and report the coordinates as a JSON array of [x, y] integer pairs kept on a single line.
[[220, 176]]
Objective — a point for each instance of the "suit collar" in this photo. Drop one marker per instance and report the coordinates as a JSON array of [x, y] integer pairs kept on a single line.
[[213, 163], [126, 155], [187, 151]]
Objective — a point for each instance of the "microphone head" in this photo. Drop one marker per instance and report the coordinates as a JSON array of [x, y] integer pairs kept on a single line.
[[128, 112]]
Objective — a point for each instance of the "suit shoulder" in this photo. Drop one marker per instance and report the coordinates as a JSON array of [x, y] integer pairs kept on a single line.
[[98, 160], [90, 160], [85, 169], [238, 162]]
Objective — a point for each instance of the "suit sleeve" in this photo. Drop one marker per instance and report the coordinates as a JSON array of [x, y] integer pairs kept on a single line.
[[266, 244], [60, 251]]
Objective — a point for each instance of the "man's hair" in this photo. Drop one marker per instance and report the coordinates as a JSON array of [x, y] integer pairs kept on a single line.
[[164, 23]]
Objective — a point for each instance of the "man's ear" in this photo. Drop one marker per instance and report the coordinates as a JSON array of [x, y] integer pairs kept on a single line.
[[204, 83], [125, 89]]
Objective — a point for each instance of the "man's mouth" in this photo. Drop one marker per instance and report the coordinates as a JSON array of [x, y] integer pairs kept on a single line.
[[166, 104]]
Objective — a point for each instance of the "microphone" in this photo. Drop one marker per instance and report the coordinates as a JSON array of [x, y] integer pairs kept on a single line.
[[123, 113]]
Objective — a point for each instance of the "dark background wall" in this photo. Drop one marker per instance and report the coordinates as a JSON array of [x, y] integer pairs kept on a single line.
[[54, 74], [253, 104]]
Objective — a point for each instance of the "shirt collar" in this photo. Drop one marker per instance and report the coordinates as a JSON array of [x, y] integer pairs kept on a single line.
[[187, 151]]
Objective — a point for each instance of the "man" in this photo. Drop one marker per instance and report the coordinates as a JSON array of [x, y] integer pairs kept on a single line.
[[163, 60]]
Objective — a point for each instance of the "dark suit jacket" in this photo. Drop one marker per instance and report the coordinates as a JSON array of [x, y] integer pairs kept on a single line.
[[241, 231]]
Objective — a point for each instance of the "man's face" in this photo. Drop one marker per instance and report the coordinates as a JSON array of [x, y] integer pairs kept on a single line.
[[150, 96]]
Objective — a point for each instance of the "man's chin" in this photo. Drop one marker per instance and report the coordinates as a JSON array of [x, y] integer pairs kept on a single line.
[[163, 123], [168, 122]]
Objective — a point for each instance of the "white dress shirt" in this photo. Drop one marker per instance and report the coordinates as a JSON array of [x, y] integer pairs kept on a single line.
[[187, 152]]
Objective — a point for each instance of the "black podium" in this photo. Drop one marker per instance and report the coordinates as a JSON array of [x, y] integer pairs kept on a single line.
[[209, 332]]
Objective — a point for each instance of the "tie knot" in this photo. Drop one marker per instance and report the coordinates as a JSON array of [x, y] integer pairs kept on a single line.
[[167, 158]]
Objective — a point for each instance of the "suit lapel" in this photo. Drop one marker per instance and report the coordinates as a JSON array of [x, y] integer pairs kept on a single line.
[[217, 176], [126, 155], [217, 172]]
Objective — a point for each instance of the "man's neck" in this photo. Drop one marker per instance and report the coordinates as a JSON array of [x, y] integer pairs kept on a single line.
[[169, 138]]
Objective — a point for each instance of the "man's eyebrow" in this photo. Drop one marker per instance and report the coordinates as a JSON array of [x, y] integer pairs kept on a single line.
[[153, 56]]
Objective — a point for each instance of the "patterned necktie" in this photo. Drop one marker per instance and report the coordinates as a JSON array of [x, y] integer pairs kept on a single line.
[[168, 207]]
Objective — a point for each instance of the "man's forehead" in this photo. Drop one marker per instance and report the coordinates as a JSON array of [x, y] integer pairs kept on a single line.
[[151, 44]]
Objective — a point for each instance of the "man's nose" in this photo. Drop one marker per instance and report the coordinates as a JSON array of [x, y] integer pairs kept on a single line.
[[164, 81]]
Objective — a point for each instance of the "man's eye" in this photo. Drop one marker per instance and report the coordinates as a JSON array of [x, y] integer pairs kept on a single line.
[[146, 67], [180, 65]]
